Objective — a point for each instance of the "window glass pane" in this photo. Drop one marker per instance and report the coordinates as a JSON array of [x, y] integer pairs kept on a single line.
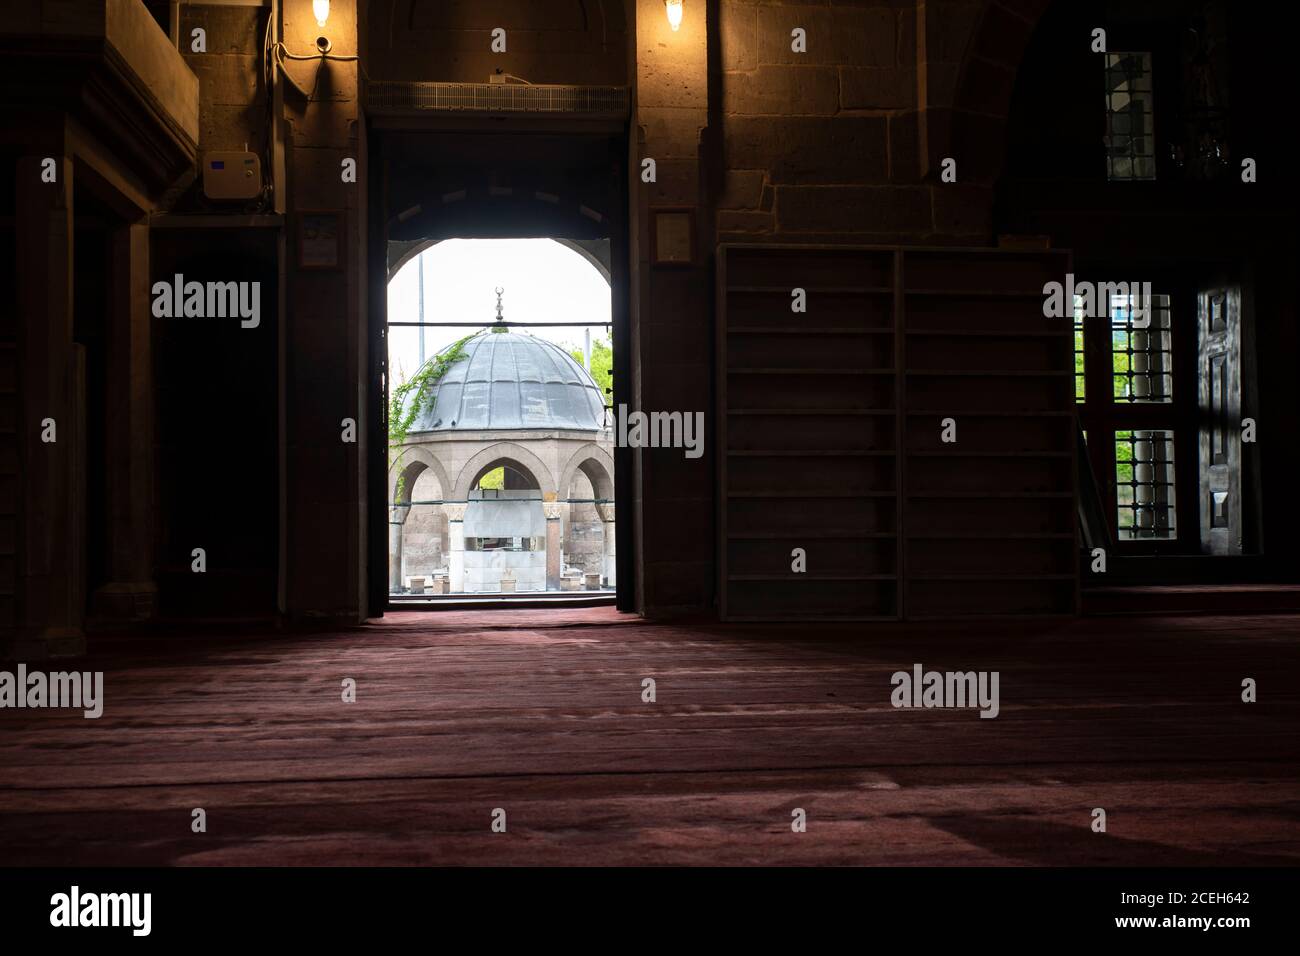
[[1130, 126], [1141, 349], [1079, 379], [1144, 485]]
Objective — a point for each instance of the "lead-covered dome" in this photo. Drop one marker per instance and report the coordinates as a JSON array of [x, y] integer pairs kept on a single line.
[[508, 381]]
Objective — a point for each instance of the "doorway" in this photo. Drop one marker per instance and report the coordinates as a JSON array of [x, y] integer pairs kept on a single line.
[[500, 424], [502, 345]]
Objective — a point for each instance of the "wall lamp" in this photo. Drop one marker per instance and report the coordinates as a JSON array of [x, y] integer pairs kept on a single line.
[[321, 10], [674, 10], [279, 53]]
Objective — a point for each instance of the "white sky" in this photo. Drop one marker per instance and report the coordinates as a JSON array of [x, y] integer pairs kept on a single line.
[[543, 281]]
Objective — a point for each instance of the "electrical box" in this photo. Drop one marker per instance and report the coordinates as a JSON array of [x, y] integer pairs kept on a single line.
[[232, 175]]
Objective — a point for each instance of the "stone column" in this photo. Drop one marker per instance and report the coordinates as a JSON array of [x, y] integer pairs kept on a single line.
[[551, 508], [396, 521], [325, 317], [673, 80], [606, 512], [456, 559], [51, 587], [130, 592]]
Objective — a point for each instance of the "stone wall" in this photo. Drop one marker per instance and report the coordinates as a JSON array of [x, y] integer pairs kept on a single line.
[[583, 531], [424, 538], [233, 98], [835, 144], [557, 41], [820, 143]]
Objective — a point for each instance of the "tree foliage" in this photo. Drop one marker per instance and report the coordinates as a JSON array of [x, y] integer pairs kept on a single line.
[[415, 394], [602, 365]]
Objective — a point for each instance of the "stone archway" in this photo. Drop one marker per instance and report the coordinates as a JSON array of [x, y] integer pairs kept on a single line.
[[413, 462], [597, 465], [503, 453], [537, 476], [595, 251], [409, 464], [968, 55]]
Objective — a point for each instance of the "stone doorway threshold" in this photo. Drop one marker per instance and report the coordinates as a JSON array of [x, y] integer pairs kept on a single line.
[[428, 602]]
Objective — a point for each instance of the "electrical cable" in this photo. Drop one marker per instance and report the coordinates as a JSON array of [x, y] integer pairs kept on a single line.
[[282, 53]]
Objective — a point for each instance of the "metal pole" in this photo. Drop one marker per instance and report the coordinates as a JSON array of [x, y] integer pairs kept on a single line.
[[420, 263]]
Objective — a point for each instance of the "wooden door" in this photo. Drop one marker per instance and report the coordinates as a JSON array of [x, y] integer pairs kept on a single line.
[[1219, 357]]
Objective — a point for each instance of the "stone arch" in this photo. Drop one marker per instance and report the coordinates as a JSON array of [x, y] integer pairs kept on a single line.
[[516, 456], [597, 253], [508, 464], [410, 464], [986, 83], [968, 57], [597, 464], [967, 116]]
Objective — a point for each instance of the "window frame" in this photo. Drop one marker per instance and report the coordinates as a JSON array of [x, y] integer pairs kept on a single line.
[[1102, 416], [1151, 134]]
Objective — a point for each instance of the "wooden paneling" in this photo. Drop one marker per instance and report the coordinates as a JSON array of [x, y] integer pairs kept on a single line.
[[831, 424]]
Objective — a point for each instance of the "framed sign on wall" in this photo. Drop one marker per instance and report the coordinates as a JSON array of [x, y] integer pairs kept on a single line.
[[320, 240], [672, 236]]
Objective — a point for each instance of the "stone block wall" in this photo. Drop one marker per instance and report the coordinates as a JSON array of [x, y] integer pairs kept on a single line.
[[834, 144], [583, 531], [423, 540], [843, 142], [233, 98], [557, 41], [820, 145]]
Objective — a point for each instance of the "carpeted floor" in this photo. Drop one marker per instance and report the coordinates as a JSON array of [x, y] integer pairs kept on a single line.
[[540, 713]]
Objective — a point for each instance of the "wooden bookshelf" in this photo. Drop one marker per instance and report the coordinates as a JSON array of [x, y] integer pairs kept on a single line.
[[987, 359], [829, 422]]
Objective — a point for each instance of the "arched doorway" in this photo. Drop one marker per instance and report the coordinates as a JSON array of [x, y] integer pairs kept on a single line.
[[497, 404], [433, 188], [504, 531]]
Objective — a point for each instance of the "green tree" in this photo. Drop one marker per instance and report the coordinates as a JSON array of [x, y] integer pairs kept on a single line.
[[406, 400], [602, 366]]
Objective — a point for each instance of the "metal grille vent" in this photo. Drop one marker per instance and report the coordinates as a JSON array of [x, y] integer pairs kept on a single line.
[[389, 96]]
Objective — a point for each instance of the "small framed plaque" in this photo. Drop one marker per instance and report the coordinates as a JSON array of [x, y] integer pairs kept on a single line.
[[672, 236], [320, 240]]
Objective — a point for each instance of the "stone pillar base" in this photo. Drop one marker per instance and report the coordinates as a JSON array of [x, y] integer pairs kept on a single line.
[[125, 601]]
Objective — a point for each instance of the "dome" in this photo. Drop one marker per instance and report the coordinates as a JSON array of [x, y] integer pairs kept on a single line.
[[508, 381]]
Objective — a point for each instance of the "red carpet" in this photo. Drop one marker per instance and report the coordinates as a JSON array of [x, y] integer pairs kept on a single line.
[[539, 712]]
